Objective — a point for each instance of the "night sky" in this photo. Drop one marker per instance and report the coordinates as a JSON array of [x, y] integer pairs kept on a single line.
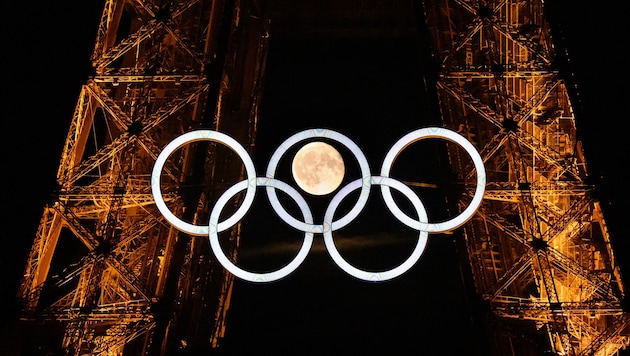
[[319, 307]]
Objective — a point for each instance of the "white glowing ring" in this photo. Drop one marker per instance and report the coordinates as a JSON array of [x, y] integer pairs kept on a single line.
[[388, 274], [333, 135], [435, 132], [193, 136], [216, 228]]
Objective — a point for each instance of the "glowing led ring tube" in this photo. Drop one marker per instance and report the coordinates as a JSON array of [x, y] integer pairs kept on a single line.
[[435, 132], [252, 276], [368, 275], [193, 136], [333, 135]]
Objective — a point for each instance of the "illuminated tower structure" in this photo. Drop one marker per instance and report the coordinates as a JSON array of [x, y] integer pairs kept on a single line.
[[104, 264], [539, 249], [117, 277]]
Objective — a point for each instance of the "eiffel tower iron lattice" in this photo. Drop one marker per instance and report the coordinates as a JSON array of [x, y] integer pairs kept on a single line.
[[538, 248]]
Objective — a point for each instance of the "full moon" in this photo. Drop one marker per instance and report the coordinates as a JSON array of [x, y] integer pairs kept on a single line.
[[318, 168]]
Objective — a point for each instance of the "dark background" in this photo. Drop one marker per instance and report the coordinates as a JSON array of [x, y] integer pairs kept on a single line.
[[46, 60]]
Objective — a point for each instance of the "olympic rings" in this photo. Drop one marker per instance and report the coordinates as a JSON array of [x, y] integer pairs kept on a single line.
[[328, 225]]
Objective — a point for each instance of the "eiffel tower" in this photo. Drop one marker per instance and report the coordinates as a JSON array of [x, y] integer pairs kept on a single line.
[[538, 250]]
